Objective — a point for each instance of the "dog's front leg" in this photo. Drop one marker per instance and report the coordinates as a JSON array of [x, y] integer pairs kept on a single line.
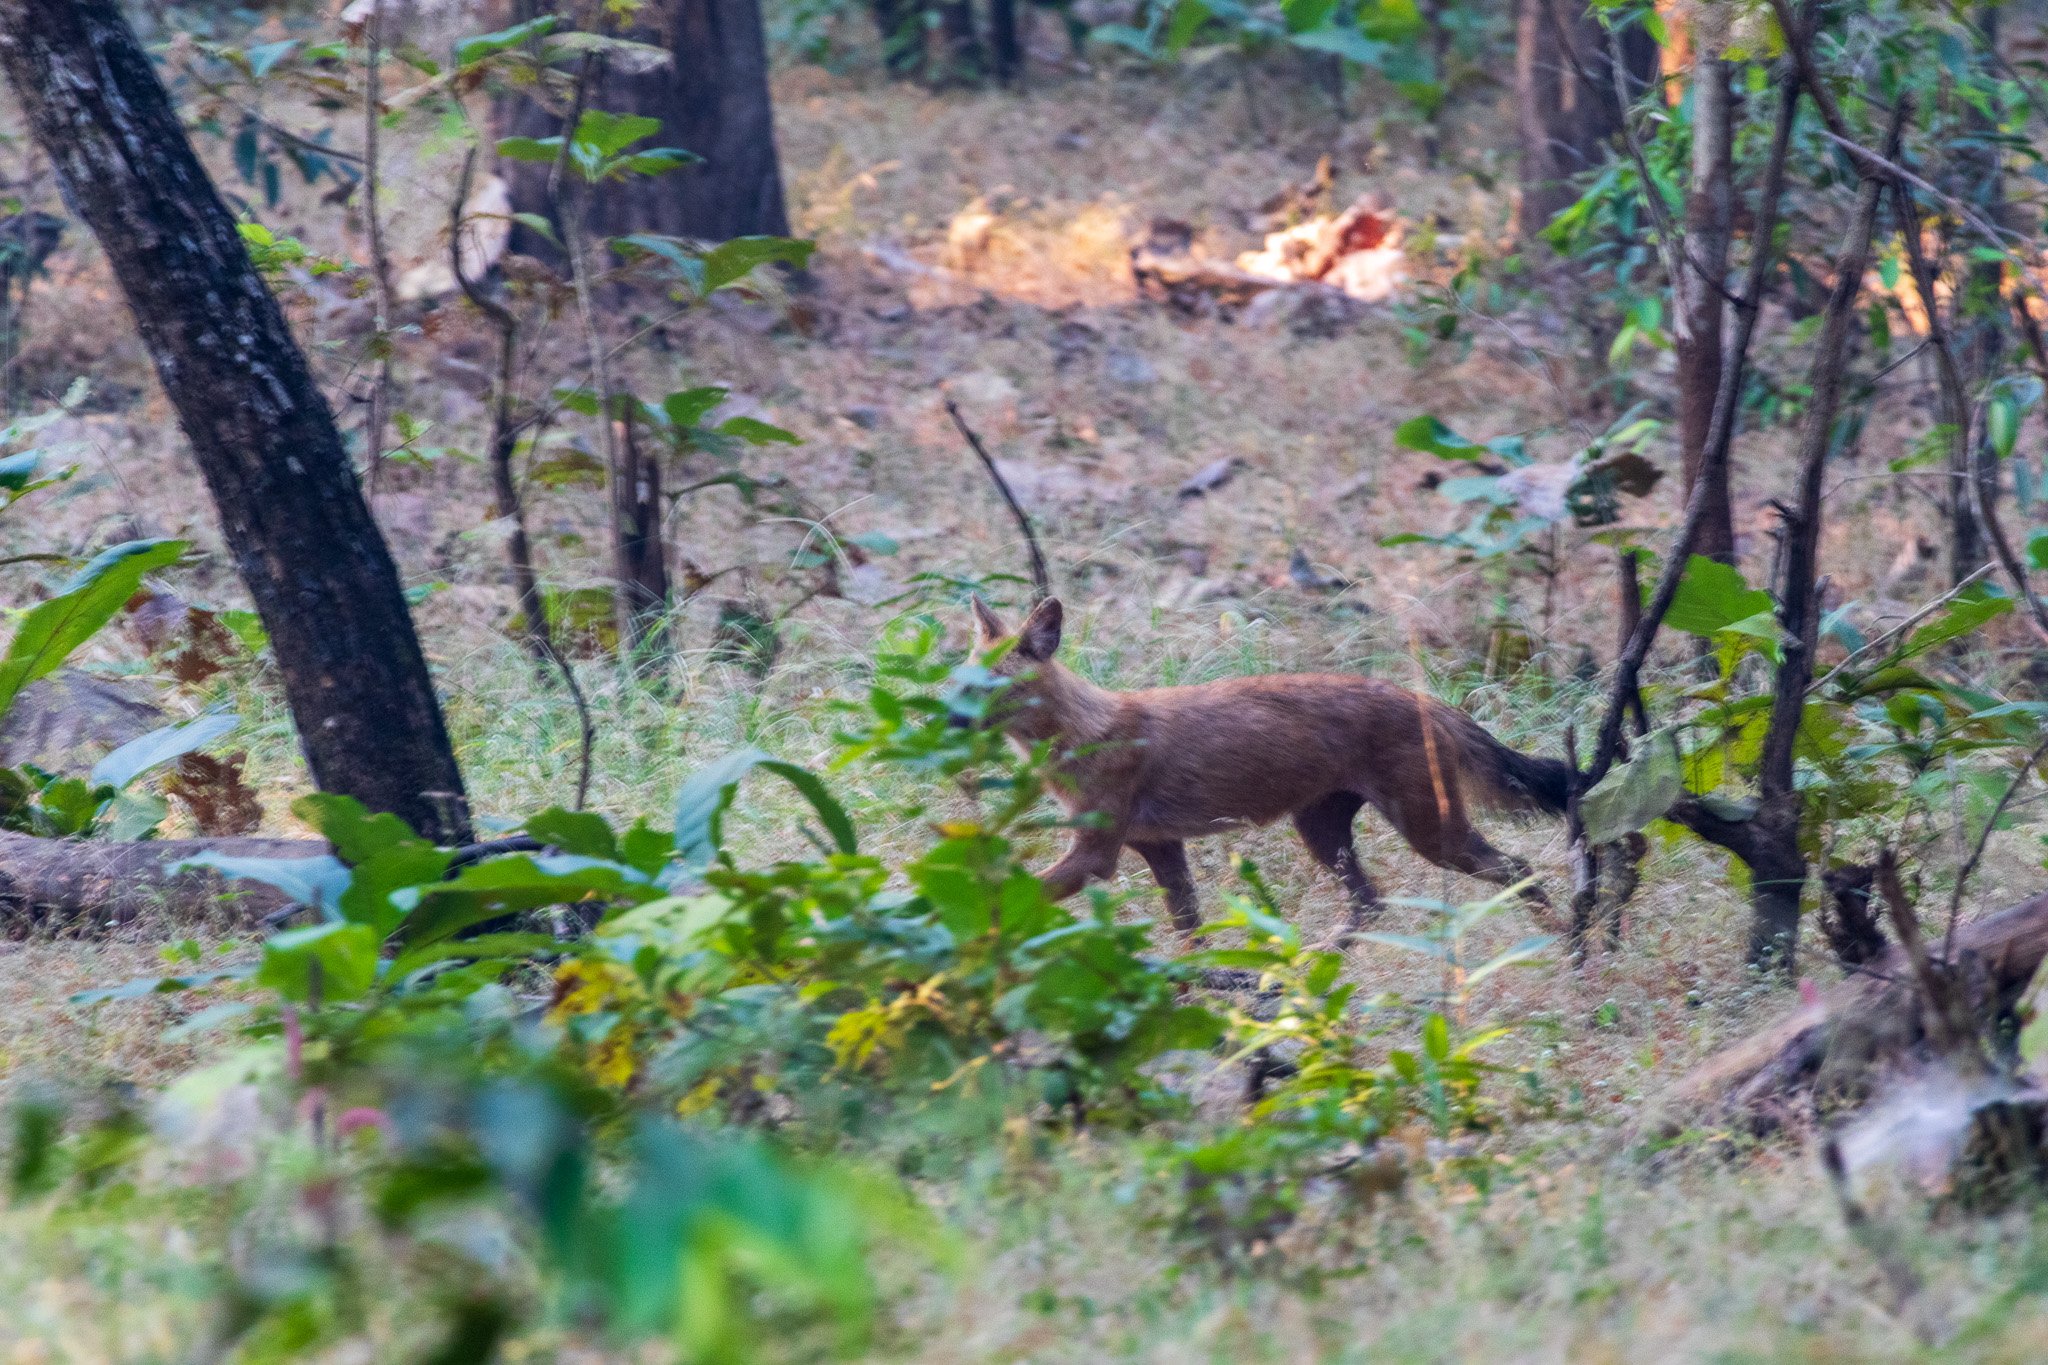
[[1092, 857]]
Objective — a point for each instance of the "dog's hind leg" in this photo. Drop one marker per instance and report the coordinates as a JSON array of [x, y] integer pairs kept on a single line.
[[1324, 825], [1168, 860]]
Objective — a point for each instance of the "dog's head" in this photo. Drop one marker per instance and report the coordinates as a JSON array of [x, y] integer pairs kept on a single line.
[[1022, 659]]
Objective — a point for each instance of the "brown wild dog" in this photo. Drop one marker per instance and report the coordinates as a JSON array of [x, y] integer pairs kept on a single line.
[[1157, 767]]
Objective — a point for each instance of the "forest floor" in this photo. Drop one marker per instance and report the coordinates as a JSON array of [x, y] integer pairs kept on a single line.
[[975, 245]]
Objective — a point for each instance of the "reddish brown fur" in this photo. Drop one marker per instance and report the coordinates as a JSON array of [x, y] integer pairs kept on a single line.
[[1164, 765]]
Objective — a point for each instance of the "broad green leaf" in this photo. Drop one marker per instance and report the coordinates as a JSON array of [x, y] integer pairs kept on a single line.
[[541, 149], [264, 57], [1186, 21], [158, 747], [585, 833], [685, 409], [1977, 605], [756, 432], [1347, 43], [609, 134], [734, 260], [316, 882], [470, 51], [708, 794], [341, 958], [52, 630], [161, 985], [1426, 433], [653, 161], [512, 885], [1303, 15], [357, 834], [1637, 792], [1712, 597], [2002, 424]]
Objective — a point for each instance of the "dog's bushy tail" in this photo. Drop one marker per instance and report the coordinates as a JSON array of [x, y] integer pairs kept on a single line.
[[1507, 779]]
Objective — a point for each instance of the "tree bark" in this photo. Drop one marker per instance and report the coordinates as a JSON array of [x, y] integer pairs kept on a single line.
[[712, 99], [1566, 111], [1709, 224], [291, 510]]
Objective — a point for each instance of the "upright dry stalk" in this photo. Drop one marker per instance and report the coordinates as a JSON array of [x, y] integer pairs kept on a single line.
[[380, 257]]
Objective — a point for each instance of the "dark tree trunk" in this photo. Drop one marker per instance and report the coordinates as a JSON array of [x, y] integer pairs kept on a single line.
[[291, 510], [1567, 110], [964, 59], [1709, 223], [640, 560], [897, 21], [1005, 44], [1777, 864], [712, 100]]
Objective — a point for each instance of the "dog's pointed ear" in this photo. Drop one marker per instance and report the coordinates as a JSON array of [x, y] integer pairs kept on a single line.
[[987, 628], [1039, 637]]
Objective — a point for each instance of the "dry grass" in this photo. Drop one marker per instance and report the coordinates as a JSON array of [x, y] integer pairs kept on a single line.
[[1099, 406]]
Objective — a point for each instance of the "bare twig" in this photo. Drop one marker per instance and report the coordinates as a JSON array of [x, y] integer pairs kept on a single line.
[[1040, 578]]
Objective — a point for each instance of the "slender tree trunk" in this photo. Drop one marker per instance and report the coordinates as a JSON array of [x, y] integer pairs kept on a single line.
[[1777, 864], [1005, 43], [712, 99], [639, 553], [291, 511], [964, 57], [1709, 224]]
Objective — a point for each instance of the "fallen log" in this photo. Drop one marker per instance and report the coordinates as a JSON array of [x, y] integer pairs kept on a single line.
[[1834, 1047], [84, 884]]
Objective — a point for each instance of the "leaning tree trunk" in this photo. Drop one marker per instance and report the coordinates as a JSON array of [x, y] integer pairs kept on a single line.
[[712, 99], [291, 510]]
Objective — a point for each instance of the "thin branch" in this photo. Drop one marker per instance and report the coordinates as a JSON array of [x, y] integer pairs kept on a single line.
[[505, 431], [1039, 577], [588, 740], [1900, 629], [1961, 417], [1969, 867]]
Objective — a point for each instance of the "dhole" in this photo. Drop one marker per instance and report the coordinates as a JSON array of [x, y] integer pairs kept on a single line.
[[1161, 766]]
